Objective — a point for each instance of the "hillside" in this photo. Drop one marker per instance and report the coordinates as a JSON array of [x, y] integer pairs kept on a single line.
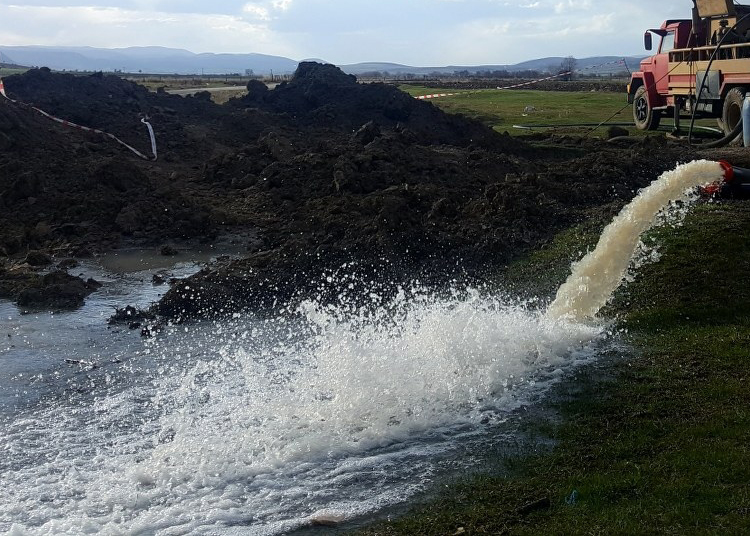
[[162, 60], [147, 59]]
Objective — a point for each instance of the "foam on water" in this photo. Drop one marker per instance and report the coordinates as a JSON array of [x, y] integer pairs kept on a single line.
[[598, 274], [253, 426]]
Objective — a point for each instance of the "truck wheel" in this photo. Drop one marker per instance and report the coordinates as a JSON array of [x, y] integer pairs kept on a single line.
[[645, 117], [732, 111]]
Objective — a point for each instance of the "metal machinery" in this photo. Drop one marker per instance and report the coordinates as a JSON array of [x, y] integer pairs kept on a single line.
[[702, 67]]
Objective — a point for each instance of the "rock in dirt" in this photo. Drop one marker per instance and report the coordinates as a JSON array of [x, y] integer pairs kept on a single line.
[[367, 133], [616, 132], [56, 290], [38, 258], [130, 315]]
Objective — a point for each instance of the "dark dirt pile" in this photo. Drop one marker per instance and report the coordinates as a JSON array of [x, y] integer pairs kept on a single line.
[[324, 95], [318, 172]]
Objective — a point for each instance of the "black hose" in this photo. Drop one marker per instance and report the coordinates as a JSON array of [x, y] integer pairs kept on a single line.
[[562, 125], [624, 124], [729, 138], [706, 145], [726, 140]]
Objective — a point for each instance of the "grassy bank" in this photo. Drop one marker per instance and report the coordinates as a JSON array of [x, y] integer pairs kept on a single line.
[[661, 442]]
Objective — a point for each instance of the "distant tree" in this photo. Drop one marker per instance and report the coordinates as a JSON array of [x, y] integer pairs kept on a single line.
[[568, 65], [527, 73]]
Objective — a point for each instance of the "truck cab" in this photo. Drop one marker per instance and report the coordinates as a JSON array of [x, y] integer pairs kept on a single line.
[[673, 34], [709, 53]]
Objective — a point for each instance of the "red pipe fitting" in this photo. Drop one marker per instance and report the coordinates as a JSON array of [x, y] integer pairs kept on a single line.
[[736, 182], [728, 170]]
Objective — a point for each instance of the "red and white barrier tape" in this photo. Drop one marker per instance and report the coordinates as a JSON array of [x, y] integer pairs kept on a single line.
[[94, 130], [436, 95], [558, 75], [538, 80]]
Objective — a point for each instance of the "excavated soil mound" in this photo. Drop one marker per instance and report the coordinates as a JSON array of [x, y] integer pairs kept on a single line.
[[390, 210], [61, 187], [323, 94], [320, 172]]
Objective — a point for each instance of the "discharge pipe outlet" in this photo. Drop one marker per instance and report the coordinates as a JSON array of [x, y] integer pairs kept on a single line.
[[736, 181]]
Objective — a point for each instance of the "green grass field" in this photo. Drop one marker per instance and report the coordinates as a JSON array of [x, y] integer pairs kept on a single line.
[[5, 71], [503, 109]]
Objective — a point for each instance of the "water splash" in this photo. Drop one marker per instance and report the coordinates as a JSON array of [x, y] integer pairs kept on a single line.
[[256, 426], [598, 274]]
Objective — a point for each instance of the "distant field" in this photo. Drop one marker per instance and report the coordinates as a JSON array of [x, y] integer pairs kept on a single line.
[[186, 82], [502, 109], [6, 71]]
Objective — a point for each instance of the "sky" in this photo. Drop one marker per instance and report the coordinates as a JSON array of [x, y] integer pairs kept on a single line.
[[411, 32]]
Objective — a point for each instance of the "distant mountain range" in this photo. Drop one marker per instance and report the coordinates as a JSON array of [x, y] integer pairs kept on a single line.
[[161, 60], [5, 60], [596, 64], [145, 59]]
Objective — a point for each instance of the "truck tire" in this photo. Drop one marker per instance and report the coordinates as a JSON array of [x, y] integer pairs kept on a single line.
[[732, 110], [645, 117]]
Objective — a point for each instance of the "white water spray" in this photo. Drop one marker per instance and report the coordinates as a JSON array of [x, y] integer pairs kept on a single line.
[[258, 427], [249, 426], [598, 274]]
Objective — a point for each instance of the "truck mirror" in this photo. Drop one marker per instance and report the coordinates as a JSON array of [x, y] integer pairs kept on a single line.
[[647, 42]]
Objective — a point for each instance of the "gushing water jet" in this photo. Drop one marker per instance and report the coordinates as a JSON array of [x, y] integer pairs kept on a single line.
[[595, 277]]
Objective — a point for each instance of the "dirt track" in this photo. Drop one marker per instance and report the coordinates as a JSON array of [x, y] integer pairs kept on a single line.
[[316, 173]]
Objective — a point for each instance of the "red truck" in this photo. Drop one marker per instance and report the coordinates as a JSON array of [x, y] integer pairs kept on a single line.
[[669, 81]]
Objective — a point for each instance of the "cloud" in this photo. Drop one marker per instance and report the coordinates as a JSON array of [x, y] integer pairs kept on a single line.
[[572, 5], [257, 12], [115, 27], [416, 32], [282, 5], [262, 10]]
